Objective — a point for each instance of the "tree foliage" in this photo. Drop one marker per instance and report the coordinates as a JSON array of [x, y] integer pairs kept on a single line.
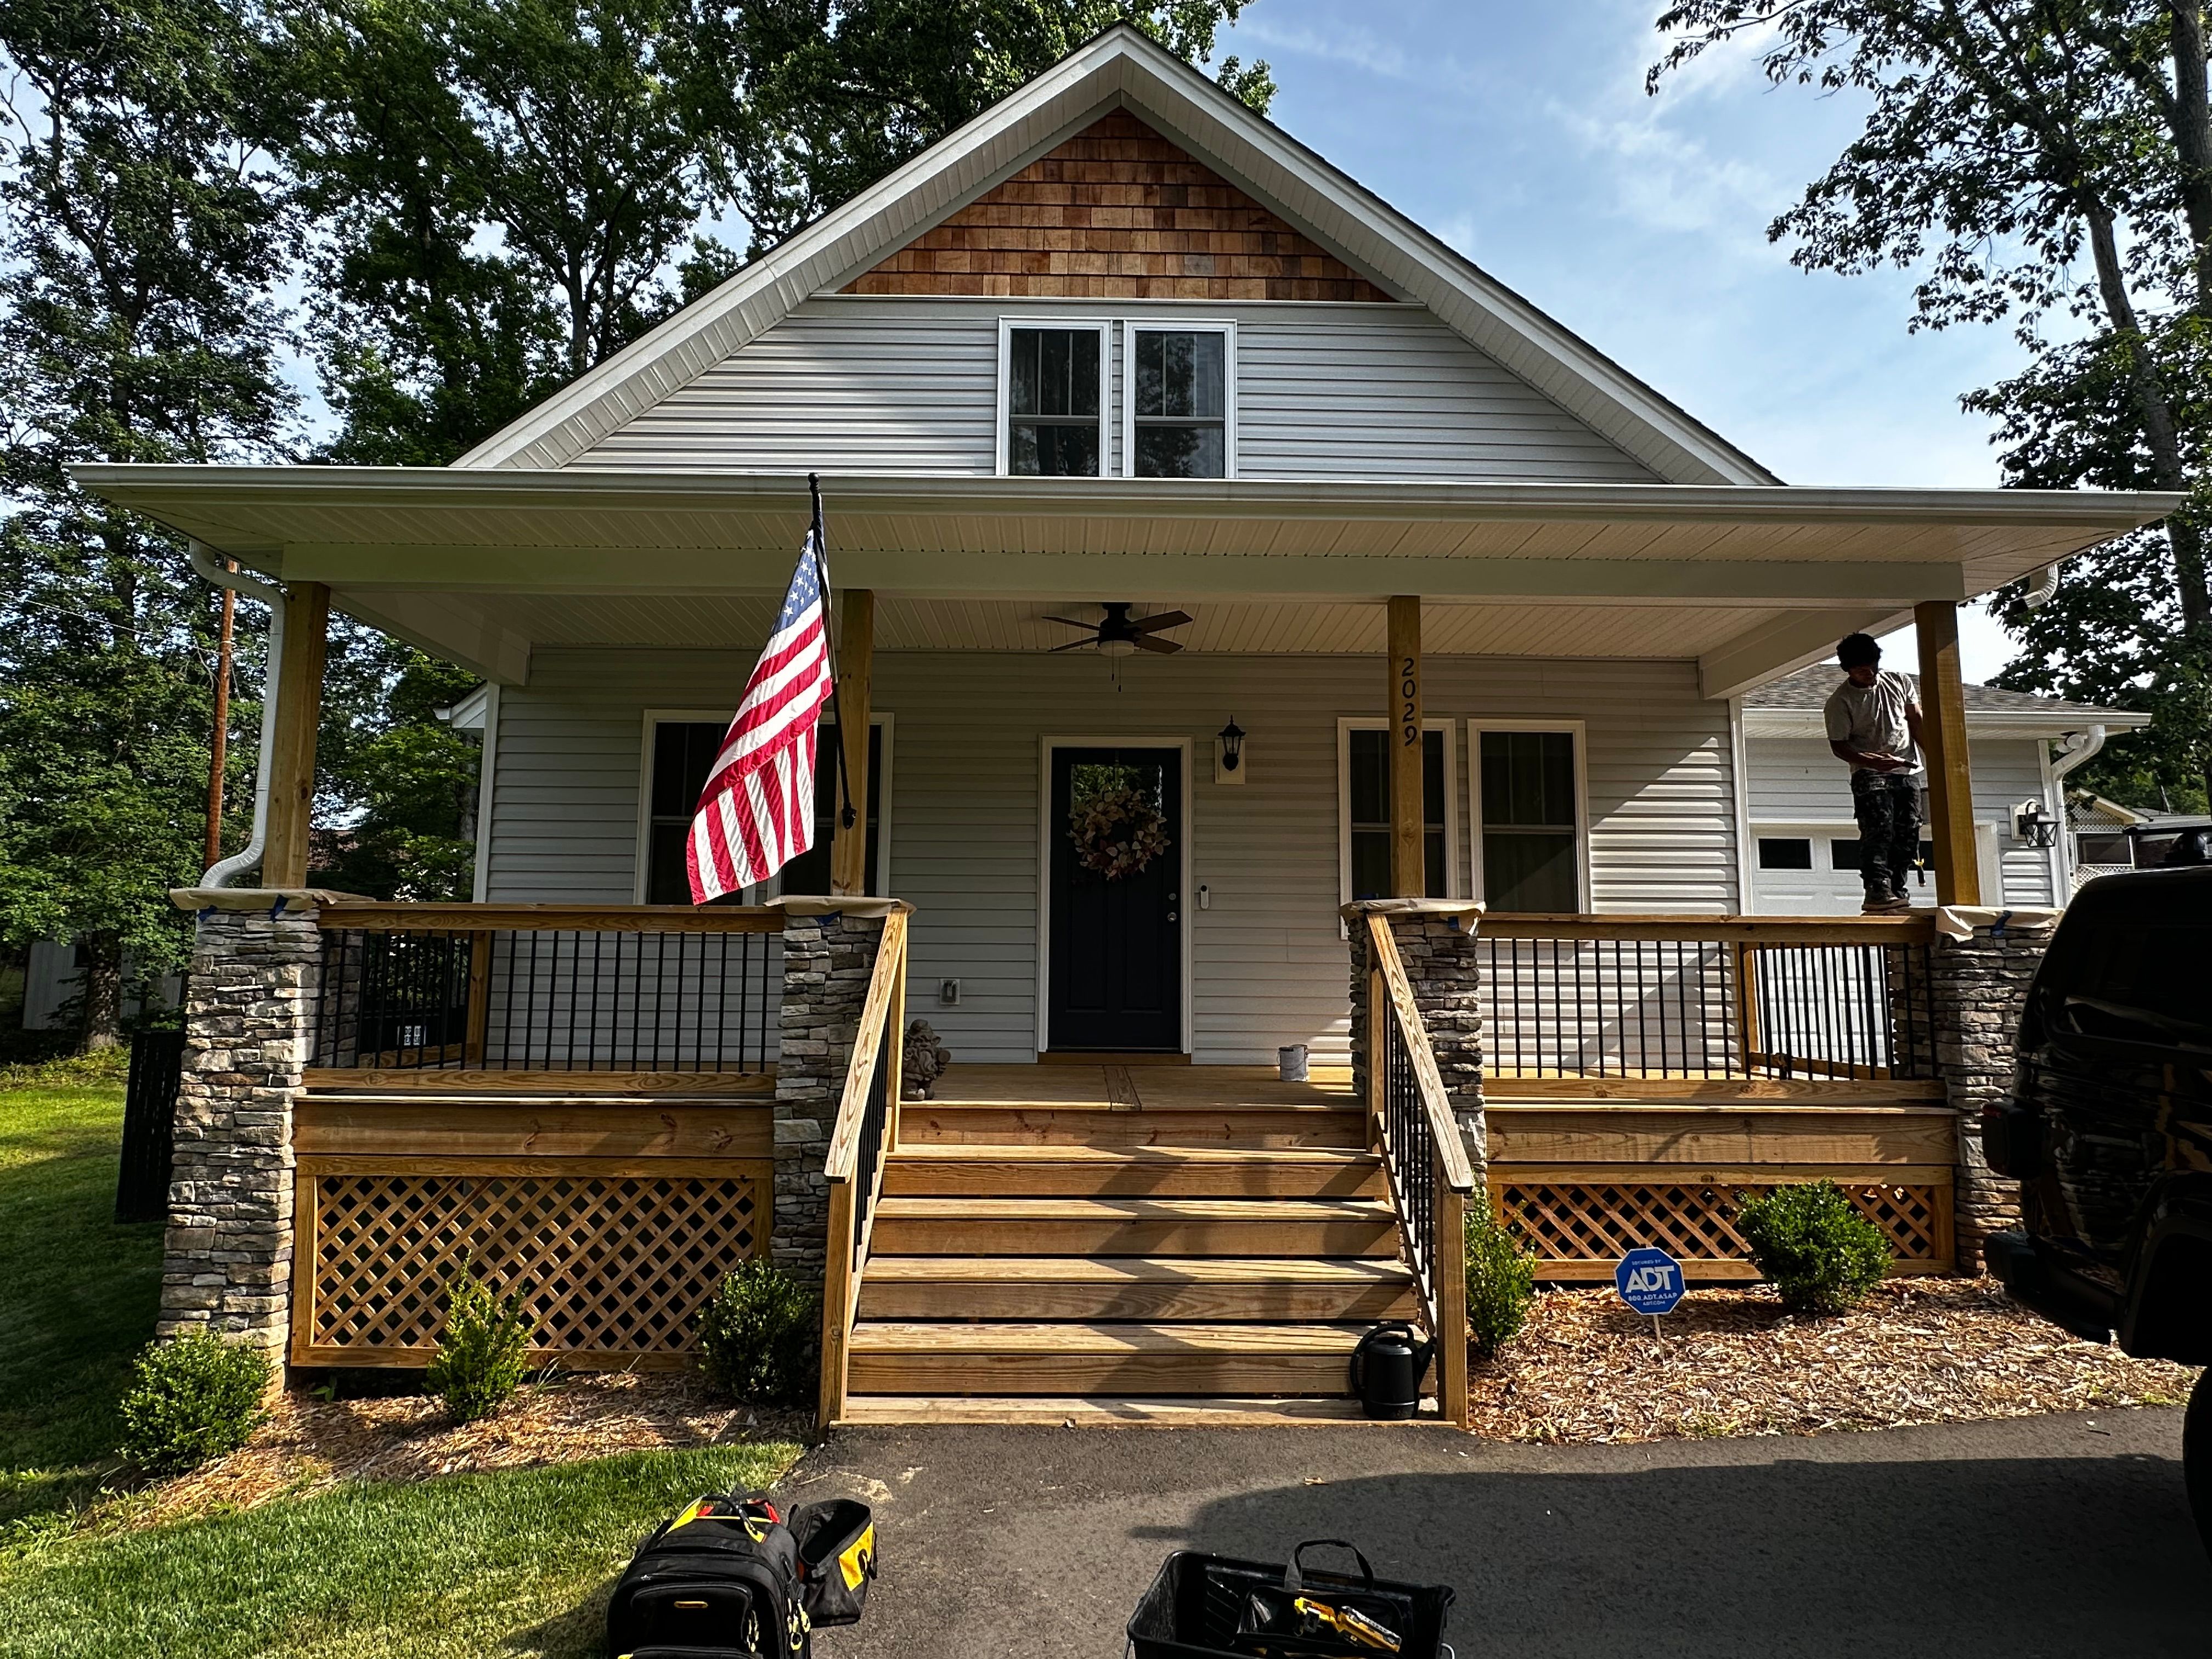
[[2045, 164]]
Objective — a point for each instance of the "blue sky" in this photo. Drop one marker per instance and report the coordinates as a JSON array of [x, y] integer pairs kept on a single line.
[[1521, 135]]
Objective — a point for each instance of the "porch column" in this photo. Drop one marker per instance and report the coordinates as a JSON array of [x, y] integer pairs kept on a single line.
[[1408, 865], [856, 654], [299, 692], [1943, 737]]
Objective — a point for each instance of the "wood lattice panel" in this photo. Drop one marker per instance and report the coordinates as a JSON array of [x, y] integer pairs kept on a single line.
[[613, 1265], [1578, 1224]]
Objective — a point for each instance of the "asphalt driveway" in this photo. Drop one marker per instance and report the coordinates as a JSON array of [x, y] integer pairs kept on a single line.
[[2057, 1535]]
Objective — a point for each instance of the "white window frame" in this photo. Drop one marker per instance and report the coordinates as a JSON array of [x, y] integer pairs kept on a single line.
[[1132, 326], [642, 856], [1103, 328], [1345, 726], [1476, 725]]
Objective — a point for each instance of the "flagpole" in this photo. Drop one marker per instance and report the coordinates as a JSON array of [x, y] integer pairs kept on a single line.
[[831, 621]]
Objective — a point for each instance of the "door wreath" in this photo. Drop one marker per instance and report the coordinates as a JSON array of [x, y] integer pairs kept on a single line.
[[1117, 832]]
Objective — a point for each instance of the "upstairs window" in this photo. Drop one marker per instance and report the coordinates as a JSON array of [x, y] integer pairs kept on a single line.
[[1053, 382], [1179, 394]]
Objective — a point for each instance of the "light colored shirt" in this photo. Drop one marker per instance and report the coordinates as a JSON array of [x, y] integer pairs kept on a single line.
[[1871, 718]]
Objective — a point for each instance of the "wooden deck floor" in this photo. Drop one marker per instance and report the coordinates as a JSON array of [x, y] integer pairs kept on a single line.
[[1140, 1088]]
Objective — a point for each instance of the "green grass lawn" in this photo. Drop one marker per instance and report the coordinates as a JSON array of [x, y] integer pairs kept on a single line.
[[511, 1563]]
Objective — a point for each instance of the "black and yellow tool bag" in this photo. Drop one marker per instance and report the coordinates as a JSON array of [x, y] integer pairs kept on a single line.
[[1215, 1607], [836, 1559], [720, 1579]]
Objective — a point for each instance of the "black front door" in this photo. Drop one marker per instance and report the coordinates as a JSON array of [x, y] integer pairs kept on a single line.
[[1115, 831]]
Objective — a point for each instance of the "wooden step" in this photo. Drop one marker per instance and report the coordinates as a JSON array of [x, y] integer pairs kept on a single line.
[[1131, 1171], [1144, 1288], [891, 1357], [1121, 1410], [1134, 1226], [940, 1123]]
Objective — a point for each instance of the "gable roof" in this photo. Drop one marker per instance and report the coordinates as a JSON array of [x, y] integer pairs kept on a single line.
[[1121, 69]]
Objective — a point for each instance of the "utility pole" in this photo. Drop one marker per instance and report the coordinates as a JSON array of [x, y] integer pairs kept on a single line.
[[219, 746]]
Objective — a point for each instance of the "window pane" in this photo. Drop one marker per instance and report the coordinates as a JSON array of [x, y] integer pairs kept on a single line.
[[1529, 778], [683, 754], [1370, 779], [1181, 451], [1181, 374], [1523, 872], [1035, 451], [1370, 864], [667, 881], [1785, 852], [1055, 372], [1843, 854]]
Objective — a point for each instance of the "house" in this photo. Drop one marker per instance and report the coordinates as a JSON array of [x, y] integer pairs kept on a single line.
[[2108, 837], [1240, 591], [1804, 845]]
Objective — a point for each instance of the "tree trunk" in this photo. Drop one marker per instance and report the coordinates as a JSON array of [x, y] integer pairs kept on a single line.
[[101, 988]]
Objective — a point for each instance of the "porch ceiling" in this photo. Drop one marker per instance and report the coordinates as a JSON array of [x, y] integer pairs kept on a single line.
[[1752, 580]]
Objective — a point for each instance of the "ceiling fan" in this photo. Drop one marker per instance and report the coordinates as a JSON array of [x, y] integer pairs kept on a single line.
[[1118, 633]]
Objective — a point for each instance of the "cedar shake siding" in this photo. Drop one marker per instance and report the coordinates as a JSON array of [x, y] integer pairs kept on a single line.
[[1117, 212]]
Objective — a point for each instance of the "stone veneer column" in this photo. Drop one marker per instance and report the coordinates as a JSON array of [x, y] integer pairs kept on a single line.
[[227, 1260], [1979, 988], [829, 955], [1436, 941]]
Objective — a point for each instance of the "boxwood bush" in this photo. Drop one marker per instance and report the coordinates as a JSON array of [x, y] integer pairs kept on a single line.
[[1501, 1279], [758, 1333], [192, 1399], [484, 1351], [1812, 1245]]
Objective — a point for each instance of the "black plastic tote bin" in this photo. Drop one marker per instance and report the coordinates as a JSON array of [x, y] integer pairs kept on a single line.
[[1215, 1607]]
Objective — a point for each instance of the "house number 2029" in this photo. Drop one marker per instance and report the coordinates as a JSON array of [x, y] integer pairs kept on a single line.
[[1409, 704]]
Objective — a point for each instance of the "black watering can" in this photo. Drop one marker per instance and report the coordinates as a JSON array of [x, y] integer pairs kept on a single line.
[[1387, 1369]]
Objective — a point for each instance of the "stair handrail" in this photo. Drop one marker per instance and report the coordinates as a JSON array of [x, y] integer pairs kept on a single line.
[[1426, 1168], [865, 1131]]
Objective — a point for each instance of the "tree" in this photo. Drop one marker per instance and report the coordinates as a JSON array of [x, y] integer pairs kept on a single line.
[[831, 95], [2046, 163], [142, 229]]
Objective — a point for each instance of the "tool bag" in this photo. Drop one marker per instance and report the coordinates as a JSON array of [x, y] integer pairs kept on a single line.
[[727, 1577], [1216, 1607]]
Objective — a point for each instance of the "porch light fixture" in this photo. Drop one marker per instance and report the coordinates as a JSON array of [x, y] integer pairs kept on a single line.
[[2028, 825], [1230, 767]]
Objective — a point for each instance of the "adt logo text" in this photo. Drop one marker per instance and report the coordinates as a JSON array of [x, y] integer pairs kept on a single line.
[[1649, 1281]]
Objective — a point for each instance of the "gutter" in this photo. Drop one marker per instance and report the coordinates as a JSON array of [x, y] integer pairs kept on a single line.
[[220, 873]]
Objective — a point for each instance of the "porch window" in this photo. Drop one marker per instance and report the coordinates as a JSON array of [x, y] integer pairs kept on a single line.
[[1364, 801], [1529, 813], [683, 753], [1053, 380], [1179, 395]]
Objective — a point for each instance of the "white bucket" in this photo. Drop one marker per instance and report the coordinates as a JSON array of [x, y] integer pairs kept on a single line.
[[1290, 1062]]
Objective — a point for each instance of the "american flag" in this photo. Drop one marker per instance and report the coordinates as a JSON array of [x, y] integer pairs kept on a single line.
[[756, 813]]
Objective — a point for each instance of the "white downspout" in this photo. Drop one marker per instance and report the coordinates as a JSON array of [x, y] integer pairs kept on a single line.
[[2046, 584], [220, 873], [2077, 747]]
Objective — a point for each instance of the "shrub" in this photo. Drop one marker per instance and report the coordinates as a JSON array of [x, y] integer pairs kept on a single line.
[[1501, 1280], [757, 1334], [1811, 1244], [482, 1354], [192, 1399]]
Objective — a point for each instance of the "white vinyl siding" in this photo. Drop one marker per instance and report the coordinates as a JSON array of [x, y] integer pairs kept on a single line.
[[911, 385], [1268, 961], [1797, 787]]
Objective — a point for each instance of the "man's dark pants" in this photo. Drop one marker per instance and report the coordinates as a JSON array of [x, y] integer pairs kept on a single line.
[[1888, 807]]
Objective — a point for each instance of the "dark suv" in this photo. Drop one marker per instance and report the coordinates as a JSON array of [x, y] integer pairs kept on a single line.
[[2109, 1132]]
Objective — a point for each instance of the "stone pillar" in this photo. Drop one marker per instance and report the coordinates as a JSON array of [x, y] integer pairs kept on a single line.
[[1436, 943], [829, 955], [1979, 987], [227, 1260]]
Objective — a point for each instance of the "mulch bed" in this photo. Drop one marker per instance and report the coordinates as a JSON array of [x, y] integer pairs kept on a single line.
[[1730, 1362], [309, 1443]]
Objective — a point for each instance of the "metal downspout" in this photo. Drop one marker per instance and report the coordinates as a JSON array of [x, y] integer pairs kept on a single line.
[[219, 874]]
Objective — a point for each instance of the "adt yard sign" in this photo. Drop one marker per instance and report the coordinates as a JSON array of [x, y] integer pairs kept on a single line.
[[1649, 1281]]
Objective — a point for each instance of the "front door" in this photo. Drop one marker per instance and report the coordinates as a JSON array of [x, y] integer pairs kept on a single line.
[[1115, 952]]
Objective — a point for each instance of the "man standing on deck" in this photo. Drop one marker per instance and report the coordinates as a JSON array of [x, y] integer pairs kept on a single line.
[[1873, 727]]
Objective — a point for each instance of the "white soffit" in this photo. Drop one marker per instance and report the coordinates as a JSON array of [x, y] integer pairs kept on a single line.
[[1123, 67]]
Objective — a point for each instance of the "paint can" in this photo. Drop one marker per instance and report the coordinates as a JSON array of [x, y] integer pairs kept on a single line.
[[1290, 1062]]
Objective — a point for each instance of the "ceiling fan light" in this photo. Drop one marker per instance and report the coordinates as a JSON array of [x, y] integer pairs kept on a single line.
[[1117, 648]]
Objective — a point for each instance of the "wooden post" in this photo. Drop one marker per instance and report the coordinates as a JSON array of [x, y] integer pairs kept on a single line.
[[1450, 1270], [1943, 737], [473, 1044], [836, 1305], [898, 1055], [291, 764], [1408, 814], [856, 654], [1378, 1036], [1745, 963]]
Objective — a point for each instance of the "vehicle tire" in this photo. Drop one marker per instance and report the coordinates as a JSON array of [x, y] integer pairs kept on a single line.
[[2197, 1457]]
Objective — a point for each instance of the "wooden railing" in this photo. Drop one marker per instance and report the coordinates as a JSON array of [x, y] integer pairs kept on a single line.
[[1680, 996], [640, 993], [1411, 1123], [866, 1129]]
